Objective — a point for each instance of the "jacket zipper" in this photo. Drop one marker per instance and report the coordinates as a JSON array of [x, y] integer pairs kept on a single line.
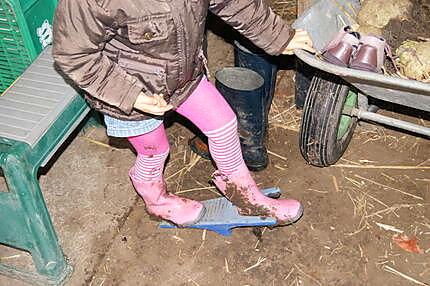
[[205, 63], [181, 47]]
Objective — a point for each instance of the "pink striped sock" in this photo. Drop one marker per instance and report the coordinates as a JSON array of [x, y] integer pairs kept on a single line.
[[150, 167], [210, 112], [152, 150], [224, 146]]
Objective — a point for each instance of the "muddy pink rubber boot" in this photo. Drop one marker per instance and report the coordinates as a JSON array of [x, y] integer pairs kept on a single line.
[[180, 211], [241, 189]]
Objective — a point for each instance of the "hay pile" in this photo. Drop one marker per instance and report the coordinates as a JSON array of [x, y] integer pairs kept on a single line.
[[286, 9], [414, 60], [374, 15], [404, 24]]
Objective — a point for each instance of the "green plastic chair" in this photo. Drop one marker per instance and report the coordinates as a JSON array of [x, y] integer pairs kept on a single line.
[[37, 114]]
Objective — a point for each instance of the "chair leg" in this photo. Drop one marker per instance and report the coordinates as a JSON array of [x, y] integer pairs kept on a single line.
[[40, 235]]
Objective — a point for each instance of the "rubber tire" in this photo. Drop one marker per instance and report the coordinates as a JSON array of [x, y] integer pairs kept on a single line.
[[322, 111], [304, 75]]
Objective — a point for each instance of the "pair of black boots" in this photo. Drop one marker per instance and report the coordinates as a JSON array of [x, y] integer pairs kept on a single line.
[[248, 88]]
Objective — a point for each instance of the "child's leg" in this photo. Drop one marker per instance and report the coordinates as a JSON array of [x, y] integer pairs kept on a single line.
[[209, 111], [147, 176], [152, 150]]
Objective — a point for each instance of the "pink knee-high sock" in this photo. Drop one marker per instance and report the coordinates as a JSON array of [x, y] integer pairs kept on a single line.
[[152, 150], [224, 147], [209, 111]]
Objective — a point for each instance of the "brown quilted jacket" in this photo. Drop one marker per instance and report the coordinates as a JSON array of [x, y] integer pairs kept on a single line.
[[114, 49]]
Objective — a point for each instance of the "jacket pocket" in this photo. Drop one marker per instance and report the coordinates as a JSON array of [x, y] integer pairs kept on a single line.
[[148, 29], [151, 72]]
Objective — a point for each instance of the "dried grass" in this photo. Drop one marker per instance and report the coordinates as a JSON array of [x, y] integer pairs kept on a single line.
[[400, 274], [277, 155], [96, 142], [284, 114], [189, 162], [393, 208], [385, 187], [260, 260], [287, 9], [336, 185], [388, 167], [289, 273], [226, 265], [307, 275]]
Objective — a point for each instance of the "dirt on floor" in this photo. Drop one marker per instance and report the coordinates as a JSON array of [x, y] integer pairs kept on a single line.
[[355, 211]]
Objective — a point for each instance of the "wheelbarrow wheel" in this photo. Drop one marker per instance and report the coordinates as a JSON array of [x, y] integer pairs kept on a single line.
[[304, 75], [326, 129]]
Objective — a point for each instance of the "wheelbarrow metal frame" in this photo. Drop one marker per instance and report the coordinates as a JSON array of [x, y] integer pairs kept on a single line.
[[323, 20]]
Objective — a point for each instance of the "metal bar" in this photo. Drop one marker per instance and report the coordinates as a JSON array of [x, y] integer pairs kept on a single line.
[[365, 115]]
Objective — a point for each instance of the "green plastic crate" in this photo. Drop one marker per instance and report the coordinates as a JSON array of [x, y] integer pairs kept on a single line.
[[25, 29]]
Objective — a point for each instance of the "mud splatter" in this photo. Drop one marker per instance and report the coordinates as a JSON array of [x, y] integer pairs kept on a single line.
[[236, 196]]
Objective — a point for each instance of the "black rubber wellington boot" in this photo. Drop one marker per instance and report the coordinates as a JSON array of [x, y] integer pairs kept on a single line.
[[244, 91], [249, 56], [246, 55]]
